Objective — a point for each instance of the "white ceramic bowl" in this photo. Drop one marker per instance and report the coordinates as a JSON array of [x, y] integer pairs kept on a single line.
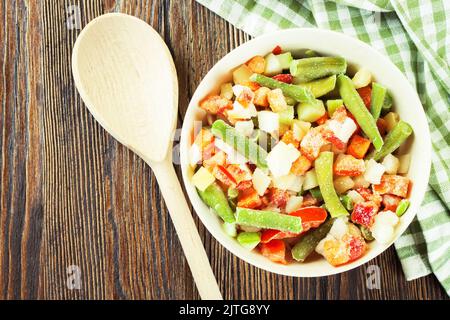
[[358, 54]]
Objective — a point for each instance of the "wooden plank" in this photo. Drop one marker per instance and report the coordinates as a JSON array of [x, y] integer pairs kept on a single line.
[[71, 195]]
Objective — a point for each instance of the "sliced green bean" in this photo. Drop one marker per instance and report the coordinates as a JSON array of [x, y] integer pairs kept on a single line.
[[240, 143], [320, 87], [298, 93], [316, 193], [308, 69], [403, 205], [249, 240], [394, 139], [215, 198], [268, 220], [377, 99], [355, 105], [347, 202], [324, 173], [309, 241], [387, 104], [366, 233]]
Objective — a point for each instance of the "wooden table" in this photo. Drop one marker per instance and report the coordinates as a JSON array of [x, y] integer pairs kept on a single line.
[[72, 196]]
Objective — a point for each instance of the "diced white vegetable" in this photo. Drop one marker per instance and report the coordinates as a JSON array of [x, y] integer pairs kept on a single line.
[[320, 245], [355, 196], [229, 228], [280, 159], [374, 172], [339, 228], [343, 131], [261, 181], [289, 182], [202, 179], [391, 164], [405, 161], [387, 217], [195, 155], [362, 78], [300, 129], [384, 234], [343, 184], [269, 121], [383, 227], [245, 127], [360, 182], [233, 157], [294, 203], [241, 112], [273, 65], [310, 180]]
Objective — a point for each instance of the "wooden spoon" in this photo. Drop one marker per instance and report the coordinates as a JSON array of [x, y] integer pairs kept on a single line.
[[126, 76]]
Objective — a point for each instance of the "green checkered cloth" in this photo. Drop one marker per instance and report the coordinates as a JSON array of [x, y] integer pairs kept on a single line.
[[415, 34]]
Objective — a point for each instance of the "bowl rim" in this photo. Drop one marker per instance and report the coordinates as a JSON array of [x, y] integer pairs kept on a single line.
[[201, 208]]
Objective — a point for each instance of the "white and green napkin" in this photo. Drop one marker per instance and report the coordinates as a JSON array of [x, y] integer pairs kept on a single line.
[[415, 34]]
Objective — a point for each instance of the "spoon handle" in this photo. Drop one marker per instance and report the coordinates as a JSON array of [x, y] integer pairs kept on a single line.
[[187, 231]]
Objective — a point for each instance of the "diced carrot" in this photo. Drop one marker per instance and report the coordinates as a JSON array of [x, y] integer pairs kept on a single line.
[[215, 104], [275, 250], [347, 165], [288, 138], [323, 119], [301, 166], [393, 184], [253, 85], [366, 95], [249, 198], [257, 64], [358, 146], [368, 195], [261, 97], [391, 202]]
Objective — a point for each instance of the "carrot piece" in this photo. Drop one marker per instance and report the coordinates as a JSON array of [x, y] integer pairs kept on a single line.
[[358, 146]]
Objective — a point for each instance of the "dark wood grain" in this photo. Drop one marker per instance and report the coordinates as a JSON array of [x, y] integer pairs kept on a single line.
[[71, 195]]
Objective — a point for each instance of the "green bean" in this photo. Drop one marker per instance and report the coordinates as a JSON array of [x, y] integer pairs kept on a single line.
[[249, 240], [347, 202], [311, 53], [320, 87], [268, 220], [324, 173], [316, 193], [403, 205], [309, 241], [298, 93], [215, 198], [240, 143], [366, 233], [308, 69], [387, 104], [394, 139], [377, 99], [355, 105]]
